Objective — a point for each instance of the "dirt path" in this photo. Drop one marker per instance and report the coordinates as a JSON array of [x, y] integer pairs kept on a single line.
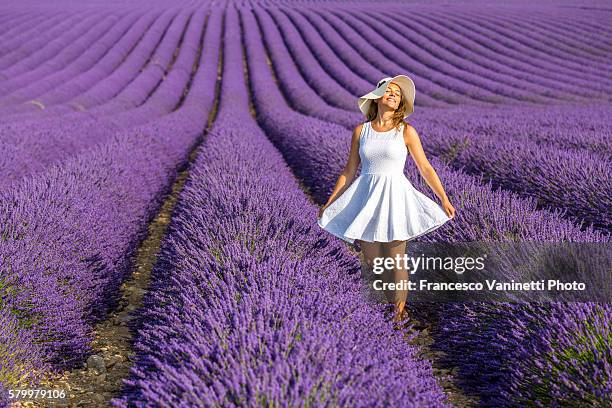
[[100, 378]]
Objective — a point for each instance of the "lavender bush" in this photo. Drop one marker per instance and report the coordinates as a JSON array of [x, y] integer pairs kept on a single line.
[[30, 146]]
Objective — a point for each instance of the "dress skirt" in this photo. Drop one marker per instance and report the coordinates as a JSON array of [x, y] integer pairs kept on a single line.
[[382, 208]]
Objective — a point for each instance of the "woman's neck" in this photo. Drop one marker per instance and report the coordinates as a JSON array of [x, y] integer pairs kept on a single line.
[[384, 118], [383, 121]]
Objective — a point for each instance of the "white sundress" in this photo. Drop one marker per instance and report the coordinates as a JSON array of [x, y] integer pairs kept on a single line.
[[381, 204]]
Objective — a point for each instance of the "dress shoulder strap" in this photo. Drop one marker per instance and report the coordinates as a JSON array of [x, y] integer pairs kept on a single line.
[[401, 129]]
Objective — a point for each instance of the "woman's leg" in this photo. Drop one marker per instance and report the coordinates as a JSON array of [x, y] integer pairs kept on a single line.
[[399, 274], [373, 250], [370, 251]]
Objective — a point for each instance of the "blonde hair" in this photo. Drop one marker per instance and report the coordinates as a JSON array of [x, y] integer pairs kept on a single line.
[[398, 115]]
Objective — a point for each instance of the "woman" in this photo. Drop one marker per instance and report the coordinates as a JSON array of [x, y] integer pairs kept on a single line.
[[381, 210]]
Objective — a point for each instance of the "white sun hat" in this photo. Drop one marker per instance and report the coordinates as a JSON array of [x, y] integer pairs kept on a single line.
[[405, 84]]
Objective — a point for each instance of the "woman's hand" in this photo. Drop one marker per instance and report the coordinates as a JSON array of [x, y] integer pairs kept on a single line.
[[321, 210], [448, 208]]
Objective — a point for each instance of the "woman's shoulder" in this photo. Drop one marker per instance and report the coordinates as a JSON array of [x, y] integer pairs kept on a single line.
[[406, 127], [359, 128], [409, 132]]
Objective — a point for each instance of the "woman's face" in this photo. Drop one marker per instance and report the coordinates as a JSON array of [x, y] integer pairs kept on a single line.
[[392, 97]]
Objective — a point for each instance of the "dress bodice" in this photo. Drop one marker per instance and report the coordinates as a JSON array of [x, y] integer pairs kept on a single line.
[[382, 152]]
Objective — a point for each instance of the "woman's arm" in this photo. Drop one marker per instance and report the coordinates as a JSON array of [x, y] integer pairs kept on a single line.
[[350, 170], [413, 143]]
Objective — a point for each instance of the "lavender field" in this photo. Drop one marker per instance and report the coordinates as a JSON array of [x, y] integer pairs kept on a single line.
[[162, 164]]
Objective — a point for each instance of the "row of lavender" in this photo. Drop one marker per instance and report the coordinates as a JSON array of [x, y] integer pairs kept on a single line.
[[68, 235], [325, 42], [332, 66], [426, 43], [576, 181], [29, 146], [51, 52], [251, 304], [559, 128], [486, 215], [69, 232], [82, 32], [477, 37], [124, 77], [581, 186], [478, 86], [94, 65], [579, 38], [582, 121]]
